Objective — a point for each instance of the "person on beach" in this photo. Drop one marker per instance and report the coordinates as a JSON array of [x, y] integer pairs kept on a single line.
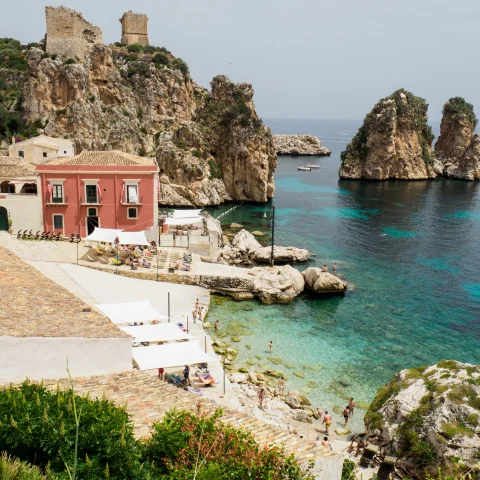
[[351, 406], [161, 371], [327, 420], [196, 304], [335, 268], [346, 415], [326, 443], [281, 386], [319, 412], [261, 396], [324, 268], [270, 345], [186, 374], [216, 325], [194, 315]]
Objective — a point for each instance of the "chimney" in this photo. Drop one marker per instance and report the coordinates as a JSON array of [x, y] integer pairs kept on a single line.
[[13, 140]]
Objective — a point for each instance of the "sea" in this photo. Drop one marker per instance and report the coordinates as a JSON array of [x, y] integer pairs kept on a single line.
[[410, 252]]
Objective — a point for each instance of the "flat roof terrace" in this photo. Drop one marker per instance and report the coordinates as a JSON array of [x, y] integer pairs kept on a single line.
[[32, 305]]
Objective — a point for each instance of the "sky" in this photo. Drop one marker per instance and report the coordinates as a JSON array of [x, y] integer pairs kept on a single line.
[[305, 58]]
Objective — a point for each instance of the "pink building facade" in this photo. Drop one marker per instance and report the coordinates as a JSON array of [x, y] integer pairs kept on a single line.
[[99, 189]]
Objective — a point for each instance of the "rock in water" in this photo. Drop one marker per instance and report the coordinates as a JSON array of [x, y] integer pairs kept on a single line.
[[458, 148], [322, 282], [281, 254], [430, 414], [295, 145], [393, 142], [277, 284], [245, 242]]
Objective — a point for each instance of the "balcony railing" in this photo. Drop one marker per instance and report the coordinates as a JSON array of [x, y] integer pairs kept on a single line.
[[139, 201], [90, 202], [56, 201]]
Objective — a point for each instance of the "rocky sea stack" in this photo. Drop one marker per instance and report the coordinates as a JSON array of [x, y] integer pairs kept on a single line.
[[393, 142], [211, 146], [300, 145], [429, 416], [458, 148]]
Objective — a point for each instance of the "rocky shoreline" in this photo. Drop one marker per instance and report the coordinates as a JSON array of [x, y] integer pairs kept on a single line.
[[300, 145]]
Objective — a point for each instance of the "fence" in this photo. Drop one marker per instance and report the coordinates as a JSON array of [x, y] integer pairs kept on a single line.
[[183, 241]]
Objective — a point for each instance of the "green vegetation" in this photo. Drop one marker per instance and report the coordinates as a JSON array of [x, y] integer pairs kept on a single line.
[[458, 106], [215, 170], [472, 419], [450, 430], [348, 470], [414, 373], [448, 364], [161, 59], [179, 64], [197, 153], [135, 48], [69, 61], [459, 393], [39, 427], [11, 55], [13, 469]]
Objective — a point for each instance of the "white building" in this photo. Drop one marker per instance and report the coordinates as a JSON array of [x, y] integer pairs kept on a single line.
[[41, 149]]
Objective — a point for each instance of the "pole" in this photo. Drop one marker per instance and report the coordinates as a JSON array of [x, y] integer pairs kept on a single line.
[[116, 259], [77, 247], [187, 323], [224, 376], [273, 234], [205, 344], [168, 307], [157, 253]]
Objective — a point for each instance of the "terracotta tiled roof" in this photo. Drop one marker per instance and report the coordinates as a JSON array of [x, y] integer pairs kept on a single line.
[[16, 167], [108, 158], [34, 306]]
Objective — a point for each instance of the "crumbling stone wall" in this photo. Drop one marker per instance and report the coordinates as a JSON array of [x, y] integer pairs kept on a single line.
[[134, 28], [69, 34]]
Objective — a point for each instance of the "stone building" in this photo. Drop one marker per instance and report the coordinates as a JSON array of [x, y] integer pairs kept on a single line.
[[69, 34], [41, 149], [134, 28]]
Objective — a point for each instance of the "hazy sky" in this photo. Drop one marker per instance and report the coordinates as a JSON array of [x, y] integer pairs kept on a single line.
[[305, 58]]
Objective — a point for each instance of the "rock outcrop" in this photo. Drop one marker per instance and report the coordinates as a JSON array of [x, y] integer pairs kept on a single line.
[[300, 145], [393, 142], [458, 148], [277, 284], [430, 415], [281, 254], [210, 146], [322, 282]]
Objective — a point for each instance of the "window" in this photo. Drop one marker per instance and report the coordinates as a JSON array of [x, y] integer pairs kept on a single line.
[[57, 193], [132, 193], [20, 153], [91, 193], [132, 213], [44, 154], [58, 222], [92, 212]]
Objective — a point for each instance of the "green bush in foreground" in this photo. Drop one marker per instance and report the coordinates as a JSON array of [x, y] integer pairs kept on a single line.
[[14, 469]]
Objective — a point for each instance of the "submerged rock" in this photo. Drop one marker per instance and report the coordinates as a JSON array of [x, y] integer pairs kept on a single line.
[[322, 282], [296, 145], [393, 142]]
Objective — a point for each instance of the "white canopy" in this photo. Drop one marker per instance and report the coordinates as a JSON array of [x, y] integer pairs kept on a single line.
[[132, 238], [107, 235], [163, 332], [186, 213], [170, 355], [183, 221], [142, 311]]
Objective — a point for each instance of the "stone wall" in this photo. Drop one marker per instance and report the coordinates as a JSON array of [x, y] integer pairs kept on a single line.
[[25, 211], [134, 28], [69, 34]]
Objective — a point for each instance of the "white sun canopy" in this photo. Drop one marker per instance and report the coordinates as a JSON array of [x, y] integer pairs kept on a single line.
[[164, 332], [171, 355], [107, 235], [142, 311], [183, 221], [132, 238], [186, 213]]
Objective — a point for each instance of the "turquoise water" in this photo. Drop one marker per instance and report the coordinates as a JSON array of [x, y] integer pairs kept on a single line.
[[410, 252]]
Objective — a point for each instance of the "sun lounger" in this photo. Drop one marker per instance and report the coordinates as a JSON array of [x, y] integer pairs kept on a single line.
[[205, 378]]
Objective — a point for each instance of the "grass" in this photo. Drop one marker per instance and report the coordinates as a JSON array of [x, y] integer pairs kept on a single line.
[[451, 430], [14, 469], [472, 419], [448, 364]]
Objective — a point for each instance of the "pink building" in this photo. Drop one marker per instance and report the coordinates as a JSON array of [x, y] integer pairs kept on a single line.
[[105, 189]]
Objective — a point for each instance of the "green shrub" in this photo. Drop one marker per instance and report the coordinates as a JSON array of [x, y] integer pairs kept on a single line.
[[179, 64], [187, 441], [135, 68], [458, 106], [215, 170], [14, 469], [348, 470], [451, 430], [69, 61], [150, 49], [144, 130], [161, 58], [135, 48], [11, 55], [472, 419], [91, 98], [38, 427], [131, 58], [197, 153], [448, 364]]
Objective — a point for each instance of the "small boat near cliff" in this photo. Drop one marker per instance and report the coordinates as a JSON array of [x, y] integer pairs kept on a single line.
[[313, 166], [304, 169]]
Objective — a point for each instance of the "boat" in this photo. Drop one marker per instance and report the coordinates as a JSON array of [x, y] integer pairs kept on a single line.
[[313, 166], [304, 169]]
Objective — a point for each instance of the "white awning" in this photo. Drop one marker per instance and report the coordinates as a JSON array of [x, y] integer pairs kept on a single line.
[[183, 221], [186, 213], [22, 182], [132, 238], [142, 311], [107, 235], [171, 355], [164, 332]]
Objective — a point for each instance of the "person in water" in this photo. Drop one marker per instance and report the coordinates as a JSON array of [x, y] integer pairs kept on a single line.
[[327, 420], [351, 406], [335, 268], [346, 415], [270, 345]]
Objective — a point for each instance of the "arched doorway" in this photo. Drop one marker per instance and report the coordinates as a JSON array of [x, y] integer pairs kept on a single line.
[[3, 219], [4, 187]]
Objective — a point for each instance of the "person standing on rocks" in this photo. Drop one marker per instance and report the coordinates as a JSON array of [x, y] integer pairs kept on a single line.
[[335, 268], [261, 396], [327, 420], [281, 386], [351, 406], [270, 345], [216, 325], [346, 415]]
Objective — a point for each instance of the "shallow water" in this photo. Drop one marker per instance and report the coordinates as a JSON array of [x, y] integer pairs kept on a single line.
[[409, 250]]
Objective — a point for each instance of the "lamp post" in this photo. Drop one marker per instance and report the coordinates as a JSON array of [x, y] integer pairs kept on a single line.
[[273, 235], [187, 324]]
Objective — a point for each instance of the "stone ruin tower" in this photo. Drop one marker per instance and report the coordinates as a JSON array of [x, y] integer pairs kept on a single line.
[[69, 34], [134, 28]]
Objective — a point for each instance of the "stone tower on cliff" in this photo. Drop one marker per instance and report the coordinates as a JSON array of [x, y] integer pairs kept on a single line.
[[134, 28], [69, 34]]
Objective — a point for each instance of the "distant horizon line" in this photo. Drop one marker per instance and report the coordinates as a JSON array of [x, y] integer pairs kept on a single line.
[[327, 119]]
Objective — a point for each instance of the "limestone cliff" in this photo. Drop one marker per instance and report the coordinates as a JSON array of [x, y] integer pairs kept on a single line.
[[393, 142], [430, 415], [211, 146], [457, 148], [300, 145]]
